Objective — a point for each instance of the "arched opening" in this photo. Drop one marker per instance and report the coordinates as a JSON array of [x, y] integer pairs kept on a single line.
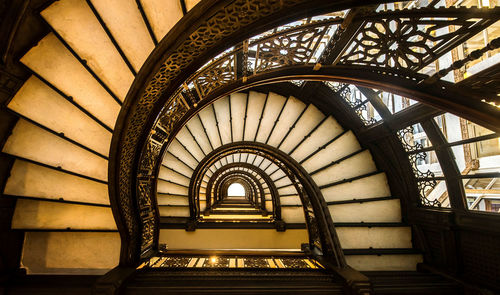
[[236, 190]]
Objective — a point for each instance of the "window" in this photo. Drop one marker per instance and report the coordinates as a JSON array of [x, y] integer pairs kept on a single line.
[[235, 190]]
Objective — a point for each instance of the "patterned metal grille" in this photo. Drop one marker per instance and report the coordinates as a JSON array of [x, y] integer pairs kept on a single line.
[[387, 43], [231, 262]]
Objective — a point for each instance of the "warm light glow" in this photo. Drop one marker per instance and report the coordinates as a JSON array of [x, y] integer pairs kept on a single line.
[[213, 259], [236, 190]]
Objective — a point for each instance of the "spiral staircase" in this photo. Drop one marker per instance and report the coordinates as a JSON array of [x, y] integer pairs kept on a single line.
[[366, 216], [67, 109], [81, 73]]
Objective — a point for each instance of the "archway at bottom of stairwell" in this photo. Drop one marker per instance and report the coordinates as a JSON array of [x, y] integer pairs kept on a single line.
[[322, 235], [235, 189]]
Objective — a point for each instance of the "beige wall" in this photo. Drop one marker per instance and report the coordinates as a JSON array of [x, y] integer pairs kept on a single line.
[[233, 239], [70, 252]]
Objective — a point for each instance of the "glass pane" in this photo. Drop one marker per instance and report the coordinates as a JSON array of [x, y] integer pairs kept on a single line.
[[396, 103], [425, 164], [483, 194], [478, 157], [479, 41], [456, 128]]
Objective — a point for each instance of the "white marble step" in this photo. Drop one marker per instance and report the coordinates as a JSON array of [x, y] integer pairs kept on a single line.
[[396, 262], [124, 21], [34, 143], [47, 215], [40, 103], [31, 180], [75, 22], [55, 63], [89, 253]]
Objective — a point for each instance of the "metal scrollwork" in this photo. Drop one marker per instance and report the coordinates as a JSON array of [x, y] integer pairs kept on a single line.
[[424, 187], [345, 92], [335, 86], [407, 139], [145, 176], [216, 75], [386, 43], [360, 109], [313, 229], [417, 158], [230, 19], [411, 42], [288, 48], [425, 179]]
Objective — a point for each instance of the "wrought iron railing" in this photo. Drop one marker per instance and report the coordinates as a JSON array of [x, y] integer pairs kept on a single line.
[[231, 262], [300, 45]]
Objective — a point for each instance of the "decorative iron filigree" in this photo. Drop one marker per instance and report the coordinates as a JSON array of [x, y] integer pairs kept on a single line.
[[425, 179], [414, 160], [170, 116], [226, 261], [210, 32], [151, 152], [345, 92], [176, 261], [226, 21], [424, 187], [412, 42], [144, 186], [363, 106], [335, 86], [288, 48], [149, 158], [298, 82], [256, 262], [290, 262], [217, 262], [407, 139], [148, 229], [216, 75], [314, 235]]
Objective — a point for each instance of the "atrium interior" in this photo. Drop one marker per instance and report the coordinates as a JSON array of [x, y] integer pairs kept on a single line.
[[250, 147]]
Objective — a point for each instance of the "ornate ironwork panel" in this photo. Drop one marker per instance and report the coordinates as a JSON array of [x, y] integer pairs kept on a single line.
[[407, 140], [296, 46], [412, 39], [426, 181], [405, 41], [216, 263], [230, 261], [218, 74], [424, 187], [145, 175]]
